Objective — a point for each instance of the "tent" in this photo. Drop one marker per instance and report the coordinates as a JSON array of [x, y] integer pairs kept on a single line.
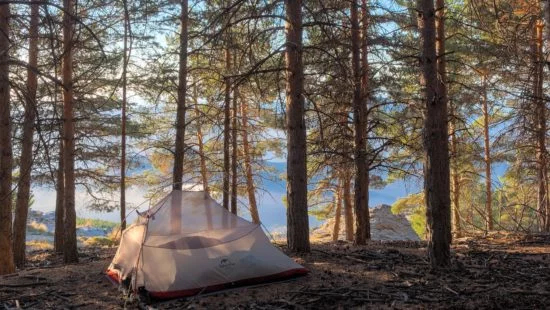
[[188, 244]]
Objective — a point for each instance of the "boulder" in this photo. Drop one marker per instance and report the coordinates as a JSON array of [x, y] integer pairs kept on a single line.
[[385, 226]]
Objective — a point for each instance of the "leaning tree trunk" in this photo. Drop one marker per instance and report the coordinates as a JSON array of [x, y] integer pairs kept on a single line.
[[435, 135], [6, 156], [70, 251], [179, 152], [24, 183], [250, 187], [297, 213], [487, 158]]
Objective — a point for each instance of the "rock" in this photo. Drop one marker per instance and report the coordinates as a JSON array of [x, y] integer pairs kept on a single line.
[[385, 226]]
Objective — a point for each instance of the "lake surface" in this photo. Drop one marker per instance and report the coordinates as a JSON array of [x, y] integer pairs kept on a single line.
[[270, 201]]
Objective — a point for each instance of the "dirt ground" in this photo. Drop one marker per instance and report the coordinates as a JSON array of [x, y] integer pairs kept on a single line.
[[500, 271]]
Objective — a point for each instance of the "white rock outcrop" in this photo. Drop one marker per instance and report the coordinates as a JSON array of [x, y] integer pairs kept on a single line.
[[385, 226]]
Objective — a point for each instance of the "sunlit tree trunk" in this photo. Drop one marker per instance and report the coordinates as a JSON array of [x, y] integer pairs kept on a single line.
[[540, 123], [234, 149], [297, 211], [204, 172], [26, 161], [338, 212], [59, 235], [250, 187], [6, 156], [487, 158], [348, 207], [70, 251], [123, 118], [435, 135], [226, 131], [455, 177], [179, 154]]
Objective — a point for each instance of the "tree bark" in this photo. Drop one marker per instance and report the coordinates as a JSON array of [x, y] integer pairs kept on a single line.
[[455, 178], [6, 155], [297, 211], [338, 212], [487, 158], [204, 172], [540, 123], [179, 153], [59, 200], [348, 207], [227, 130], [360, 79], [70, 251], [250, 187], [234, 149], [365, 98], [123, 119], [24, 183], [435, 135]]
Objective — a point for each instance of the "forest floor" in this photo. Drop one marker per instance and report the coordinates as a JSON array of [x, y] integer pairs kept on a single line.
[[499, 271]]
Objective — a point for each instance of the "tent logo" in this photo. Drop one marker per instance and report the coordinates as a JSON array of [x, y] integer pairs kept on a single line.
[[225, 262]]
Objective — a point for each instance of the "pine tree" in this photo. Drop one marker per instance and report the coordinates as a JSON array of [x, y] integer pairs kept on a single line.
[[297, 215]]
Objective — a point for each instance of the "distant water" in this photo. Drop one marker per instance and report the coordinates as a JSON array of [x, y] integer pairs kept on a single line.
[[270, 199]]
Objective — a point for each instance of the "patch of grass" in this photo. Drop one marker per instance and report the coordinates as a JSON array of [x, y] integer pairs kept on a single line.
[[37, 228], [99, 242], [82, 222], [39, 245], [114, 234]]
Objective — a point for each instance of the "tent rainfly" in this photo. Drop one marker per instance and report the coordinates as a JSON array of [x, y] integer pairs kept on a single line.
[[188, 244]]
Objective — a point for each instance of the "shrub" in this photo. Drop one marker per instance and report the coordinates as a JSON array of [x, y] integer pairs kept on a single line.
[[37, 228]]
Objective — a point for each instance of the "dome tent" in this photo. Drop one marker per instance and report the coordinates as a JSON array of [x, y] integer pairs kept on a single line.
[[189, 244]]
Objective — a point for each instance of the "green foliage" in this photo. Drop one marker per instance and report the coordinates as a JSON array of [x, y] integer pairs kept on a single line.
[[414, 208], [102, 224]]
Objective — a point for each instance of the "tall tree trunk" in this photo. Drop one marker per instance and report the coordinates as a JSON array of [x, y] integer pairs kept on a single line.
[[348, 207], [123, 118], [6, 156], [24, 183], [360, 112], [487, 157], [204, 172], [540, 119], [436, 146], [455, 177], [59, 235], [234, 150], [250, 187], [338, 212], [70, 251], [297, 211], [179, 153], [365, 99], [226, 129], [546, 9]]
